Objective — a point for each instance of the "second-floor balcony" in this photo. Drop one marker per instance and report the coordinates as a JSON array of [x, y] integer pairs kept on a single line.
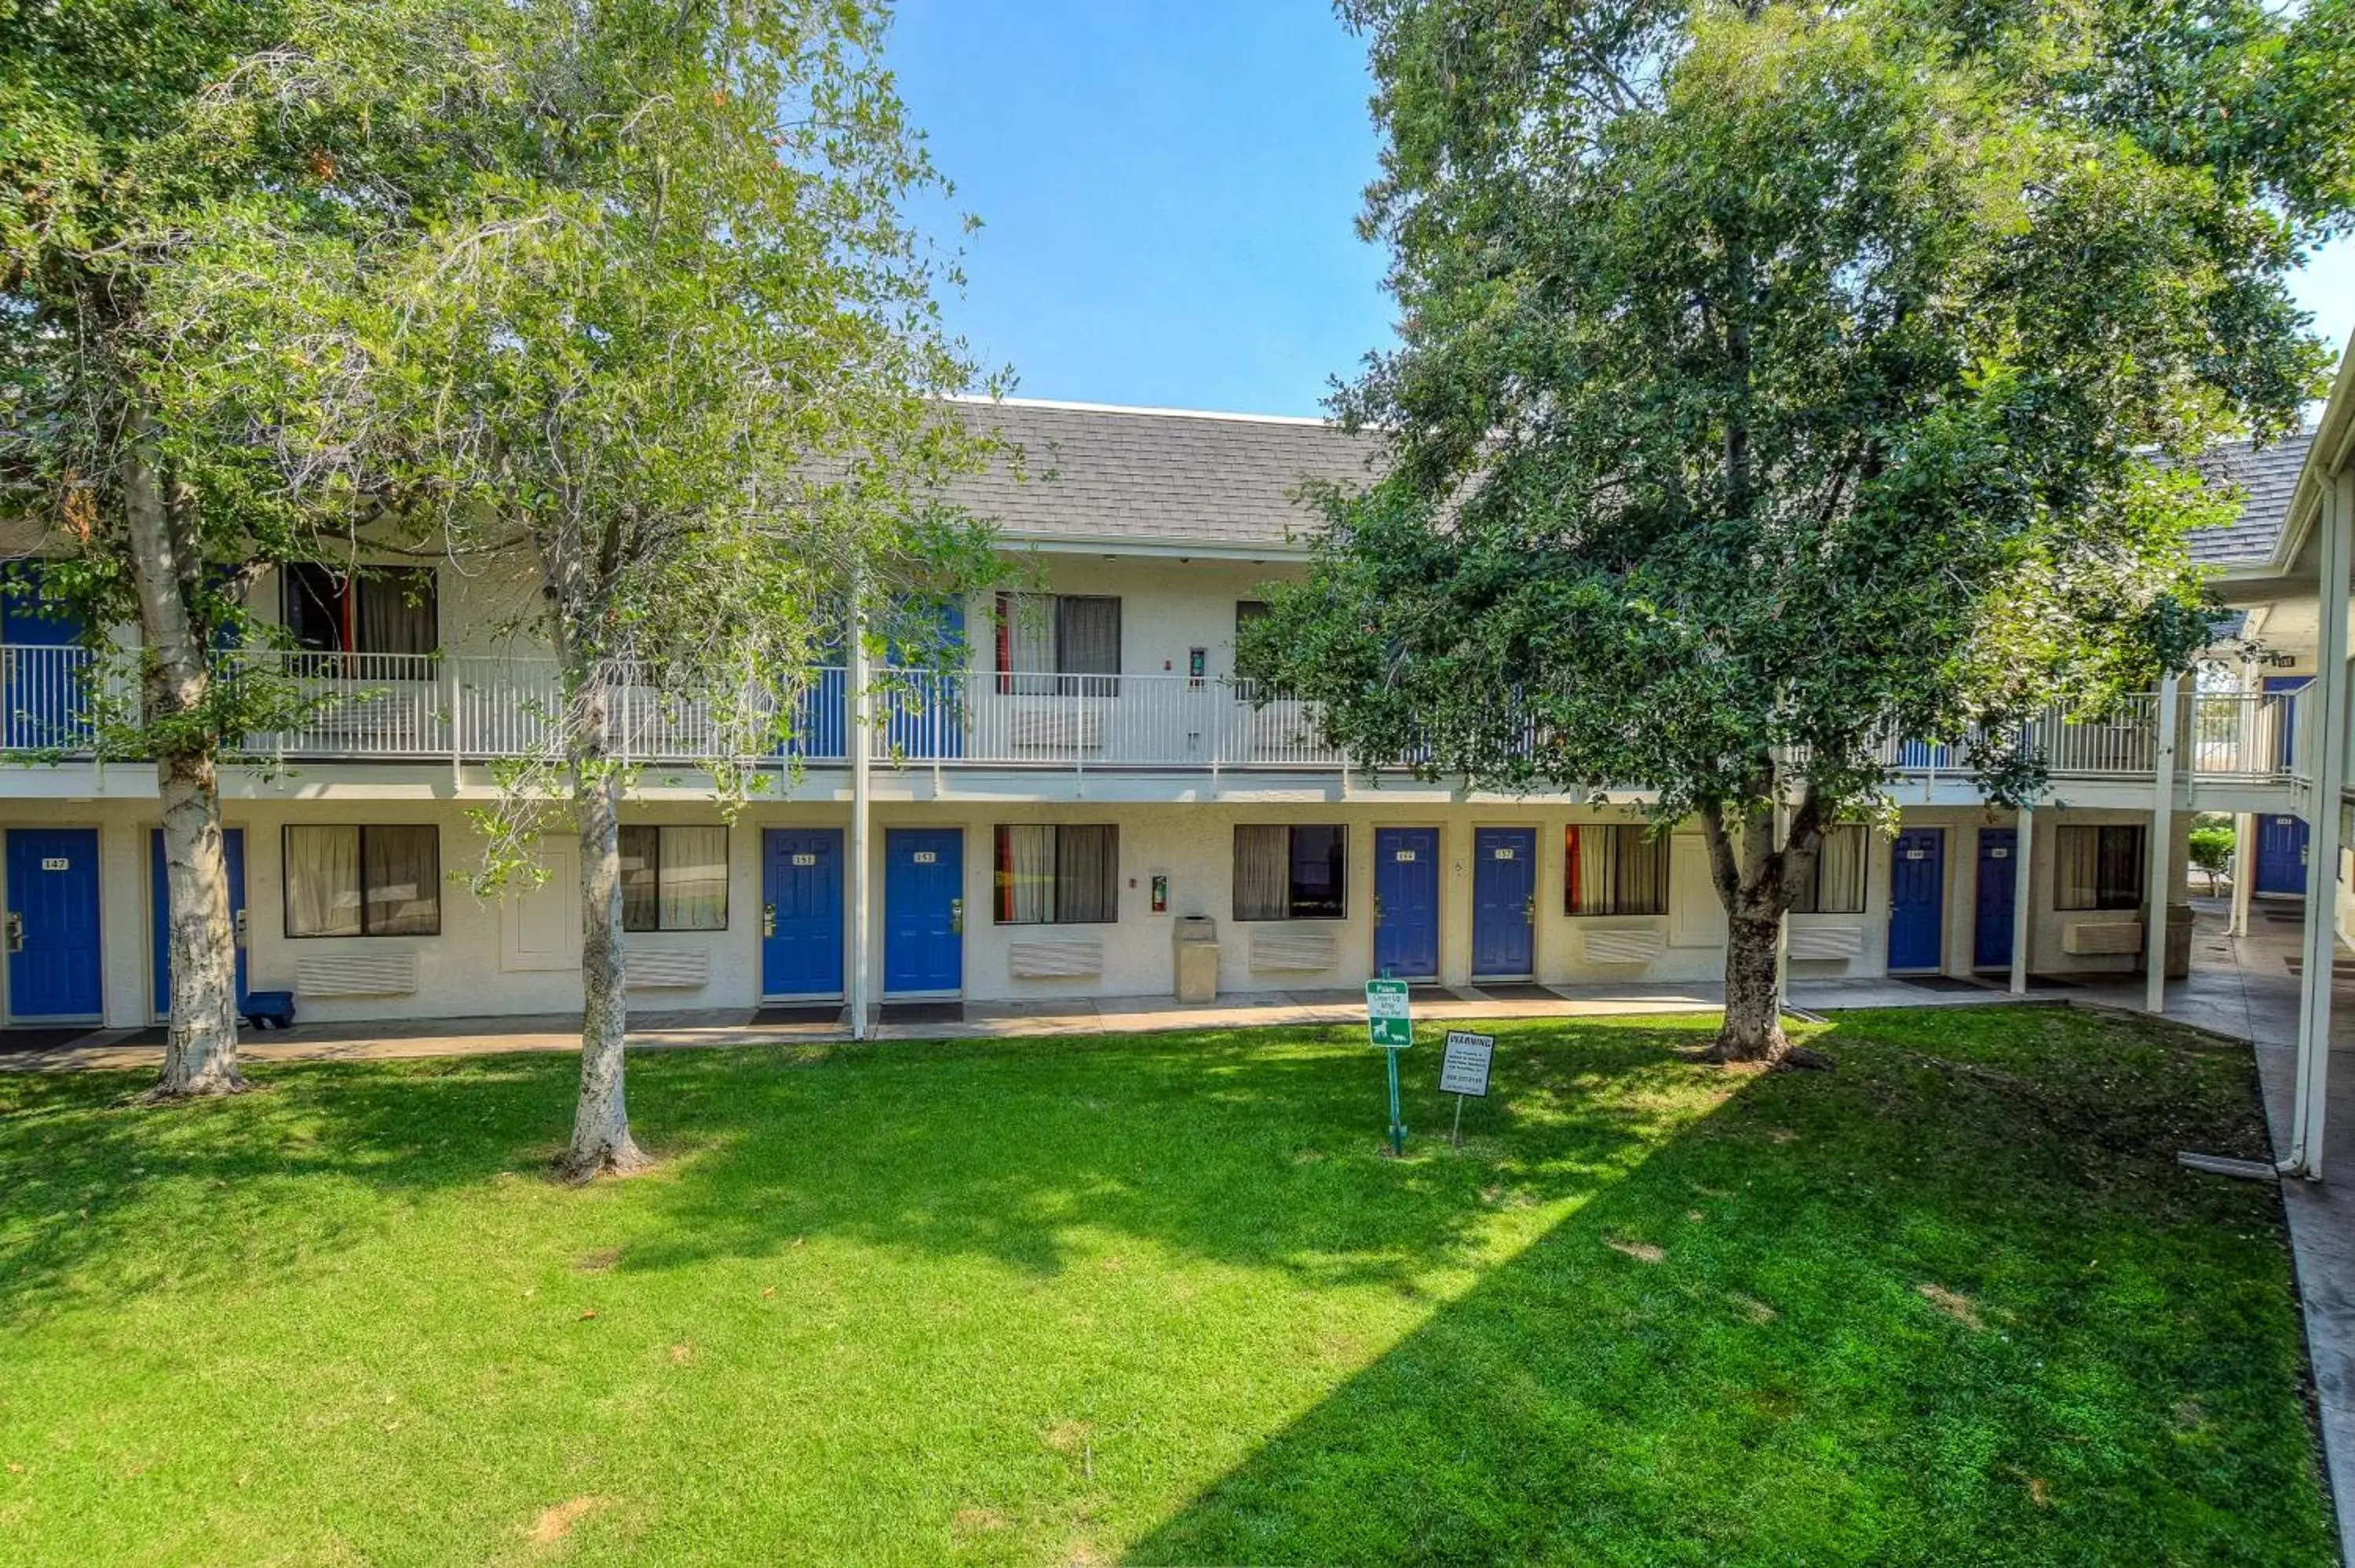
[[483, 709]]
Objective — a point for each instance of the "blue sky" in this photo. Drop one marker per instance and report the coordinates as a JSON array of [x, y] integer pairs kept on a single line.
[[1167, 189]]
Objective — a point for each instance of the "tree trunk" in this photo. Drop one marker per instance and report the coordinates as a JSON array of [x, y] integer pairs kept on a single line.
[[200, 1049], [600, 1119], [1752, 1030]]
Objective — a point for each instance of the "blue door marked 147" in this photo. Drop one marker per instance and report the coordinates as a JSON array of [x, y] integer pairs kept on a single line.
[[52, 924]]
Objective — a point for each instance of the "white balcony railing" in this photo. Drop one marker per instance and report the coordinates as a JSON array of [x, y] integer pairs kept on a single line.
[[404, 708]]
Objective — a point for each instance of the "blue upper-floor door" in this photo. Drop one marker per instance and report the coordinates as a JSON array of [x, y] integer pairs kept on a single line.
[[1504, 903], [54, 945], [159, 900], [801, 911], [924, 911], [1406, 903], [41, 664], [1994, 900], [1917, 900]]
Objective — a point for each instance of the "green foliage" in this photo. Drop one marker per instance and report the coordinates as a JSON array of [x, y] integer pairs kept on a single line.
[[1162, 1298], [1778, 379], [623, 303], [2212, 840]]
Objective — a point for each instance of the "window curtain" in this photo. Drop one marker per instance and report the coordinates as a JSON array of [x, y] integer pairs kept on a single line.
[[1086, 874], [1025, 875], [394, 614], [693, 879], [1643, 871], [2077, 868], [641, 850], [1592, 863], [1839, 884], [323, 881], [1262, 871], [402, 870], [1026, 644], [1087, 645]]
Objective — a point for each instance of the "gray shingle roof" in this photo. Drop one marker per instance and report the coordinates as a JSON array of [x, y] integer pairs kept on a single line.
[[1177, 477], [2268, 477], [1154, 475]]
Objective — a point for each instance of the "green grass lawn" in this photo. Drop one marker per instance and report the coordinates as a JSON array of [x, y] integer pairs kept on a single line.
[[1160, 1299]]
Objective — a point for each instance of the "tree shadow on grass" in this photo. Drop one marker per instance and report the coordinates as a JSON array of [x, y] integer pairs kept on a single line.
[[1952, 1303], [1254, 1146]]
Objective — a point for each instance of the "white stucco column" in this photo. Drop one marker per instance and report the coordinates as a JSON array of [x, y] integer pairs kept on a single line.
[[862, 718], [2329, 754], [2159, 850], [2023, 847], [2245, 871]]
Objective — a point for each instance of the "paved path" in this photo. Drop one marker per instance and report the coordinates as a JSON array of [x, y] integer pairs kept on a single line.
[[2243, 989]]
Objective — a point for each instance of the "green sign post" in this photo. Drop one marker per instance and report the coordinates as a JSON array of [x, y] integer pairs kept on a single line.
[[1390, 1027]]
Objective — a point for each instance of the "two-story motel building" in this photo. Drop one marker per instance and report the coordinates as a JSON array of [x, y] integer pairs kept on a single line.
[[1032, 828]]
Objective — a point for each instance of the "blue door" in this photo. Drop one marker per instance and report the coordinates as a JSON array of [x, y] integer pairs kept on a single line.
[[53, 971], [801, 911], [1504, 902], [159, 899], [1991, 928], [2288, 711], [923, 910], [1406, 903], [2281, 854], [923, 710], [41, 662], [1917, 897]]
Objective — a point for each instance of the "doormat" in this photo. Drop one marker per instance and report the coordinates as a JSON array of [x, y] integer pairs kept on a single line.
[[822, 1012], [1940, 982], [924, 1013], [2054, 982], [1511, 990], [2286, 917], [13, 1041]]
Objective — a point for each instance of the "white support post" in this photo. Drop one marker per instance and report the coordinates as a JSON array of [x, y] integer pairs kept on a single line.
[[2327, 737], [862, 724], [2023, 849], [2245, 871], [2160, 850]]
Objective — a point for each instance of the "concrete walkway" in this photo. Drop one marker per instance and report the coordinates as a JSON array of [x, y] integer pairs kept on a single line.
[[2243, 989]]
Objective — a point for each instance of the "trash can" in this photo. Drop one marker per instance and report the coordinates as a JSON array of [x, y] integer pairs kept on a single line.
[[1194, 941]]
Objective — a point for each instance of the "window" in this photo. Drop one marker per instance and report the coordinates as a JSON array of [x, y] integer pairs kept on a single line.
[[1248, 610], [675, 879], [1837, 886], [363, 882], [1615, 869], [1057, 875], [1292, 873], [1058, 644], [2099, 867], [389, 613]]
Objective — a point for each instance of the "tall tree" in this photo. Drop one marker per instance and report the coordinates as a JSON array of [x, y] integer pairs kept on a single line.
[[645, 317], [1776, 379], [142, 521]]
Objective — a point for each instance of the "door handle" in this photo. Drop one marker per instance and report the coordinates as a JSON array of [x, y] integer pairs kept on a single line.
[[14, 932], [236, 925], [768, 919], [1378, 905], [956, 916]]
